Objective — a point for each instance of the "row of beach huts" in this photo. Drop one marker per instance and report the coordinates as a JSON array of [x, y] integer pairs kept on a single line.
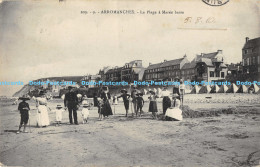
[[233, 88]]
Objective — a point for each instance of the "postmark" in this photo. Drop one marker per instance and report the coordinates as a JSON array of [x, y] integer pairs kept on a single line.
[[215, 2]]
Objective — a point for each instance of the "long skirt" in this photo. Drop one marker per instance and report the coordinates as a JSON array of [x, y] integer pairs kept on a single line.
[[106, 109], [153, 106], [166, 103], [42, 117], [126, 104]]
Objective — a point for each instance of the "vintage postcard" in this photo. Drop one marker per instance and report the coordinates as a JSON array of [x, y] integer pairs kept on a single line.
[[129, 83]]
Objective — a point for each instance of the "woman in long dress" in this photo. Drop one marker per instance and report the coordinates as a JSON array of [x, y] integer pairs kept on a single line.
[[106, 109], [153, 104], [42, 115], [166, 99]]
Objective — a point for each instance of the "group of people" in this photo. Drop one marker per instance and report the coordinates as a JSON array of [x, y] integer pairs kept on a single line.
[[171, 108], [171, 102]]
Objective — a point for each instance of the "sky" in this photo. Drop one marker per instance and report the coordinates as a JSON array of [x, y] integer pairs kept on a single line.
[[50, 38]]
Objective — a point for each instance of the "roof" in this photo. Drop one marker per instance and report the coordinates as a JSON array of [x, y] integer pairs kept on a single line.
[[153, 66], [131, 63], [171, 62], [210, 55], [252, 43], [207, 61], [165, 64], [114, 70], [189, 65]]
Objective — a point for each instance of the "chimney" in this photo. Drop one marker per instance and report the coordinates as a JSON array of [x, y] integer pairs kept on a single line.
[[202, 54], [150, 63], [247, 39], [185, 56], [165, 60], [220, 51]]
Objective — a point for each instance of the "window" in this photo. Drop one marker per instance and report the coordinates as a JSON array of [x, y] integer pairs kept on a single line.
[[222, 75], [211, 73], [253, 60], [247, 61], [217, 74], [258, 59], [245, 51]]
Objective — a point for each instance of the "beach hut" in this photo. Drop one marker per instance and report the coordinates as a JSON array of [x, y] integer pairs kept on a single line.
[[214, 89], [195, 89], [205, 89], [254, 87], [223, 89], [242, 89], [232, 89]]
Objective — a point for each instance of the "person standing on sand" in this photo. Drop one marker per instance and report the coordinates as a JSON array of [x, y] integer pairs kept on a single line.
[[106, 109], [153, 104], [58, 113], [125, 97], [42, 115], [176, 88], [133, 96], [182, 91], [140, 103], [71, 102], [166, 99], [24, 108]]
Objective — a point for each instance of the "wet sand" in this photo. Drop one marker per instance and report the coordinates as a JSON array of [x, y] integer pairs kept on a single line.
[[225, 140]]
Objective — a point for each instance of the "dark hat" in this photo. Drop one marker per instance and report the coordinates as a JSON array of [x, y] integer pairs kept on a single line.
[[23, 98], [123, 90], [104, 88], [41, 93], [59, 106], [70, 87], [85, 105], [152, 92]]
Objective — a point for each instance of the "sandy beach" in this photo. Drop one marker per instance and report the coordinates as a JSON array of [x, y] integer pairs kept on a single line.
[[227, 139]]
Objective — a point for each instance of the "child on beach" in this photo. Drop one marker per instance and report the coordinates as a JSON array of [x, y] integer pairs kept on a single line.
[[115, 100], [140, 103], [85, 112], [58, 112], [153, 104], [24, 108], [125, 97], [100, 108]]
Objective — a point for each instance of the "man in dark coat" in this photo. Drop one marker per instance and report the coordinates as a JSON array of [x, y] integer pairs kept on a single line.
[[134, 96], [24, 111], [71, 102]]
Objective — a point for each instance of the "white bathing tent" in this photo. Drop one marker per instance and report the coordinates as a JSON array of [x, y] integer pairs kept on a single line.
[[223, 89], [232, 89]]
